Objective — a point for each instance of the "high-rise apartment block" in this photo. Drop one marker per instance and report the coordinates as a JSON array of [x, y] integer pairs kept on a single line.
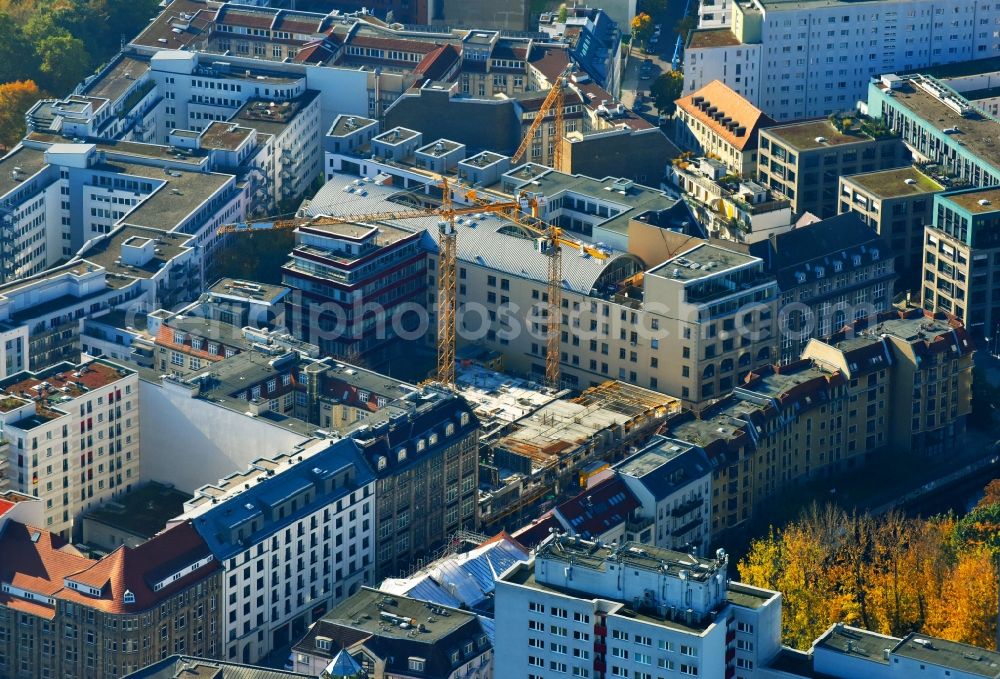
[[796, 60], [74, 437], [580, 608]]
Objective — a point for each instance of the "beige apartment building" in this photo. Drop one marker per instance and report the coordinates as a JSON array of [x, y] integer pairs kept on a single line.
[[898, 203], [692, 327], [74, 437], [717, 121]]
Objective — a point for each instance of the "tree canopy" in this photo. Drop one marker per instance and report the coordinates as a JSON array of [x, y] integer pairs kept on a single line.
[[888, 574], [15, 100], [666, 89]]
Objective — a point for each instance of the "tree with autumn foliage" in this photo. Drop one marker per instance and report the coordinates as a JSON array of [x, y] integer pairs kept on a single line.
[[642, 27], [889, 574], [15, 100]]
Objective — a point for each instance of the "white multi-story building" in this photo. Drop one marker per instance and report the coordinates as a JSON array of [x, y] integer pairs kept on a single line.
[[672, 480], [74, 437], [586, 610], [40, 316], [798, 60], [295, 536]]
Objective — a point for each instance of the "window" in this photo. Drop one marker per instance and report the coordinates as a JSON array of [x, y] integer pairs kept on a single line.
[[416, 664]]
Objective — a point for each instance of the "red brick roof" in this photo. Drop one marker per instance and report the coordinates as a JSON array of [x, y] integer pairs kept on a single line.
[[39, 561]]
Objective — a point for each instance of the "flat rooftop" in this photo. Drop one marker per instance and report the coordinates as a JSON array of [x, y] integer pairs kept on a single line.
[[949, 654], [960, 69], [969, 200], [976, 131], [439, 148], [143, 511], [225, 136], [272, 117], [484, 159], [802, 136], [30, 160], [345, 124], [712, 37], [106, 251], [181, 195], [365, 612], [856, 642], [524, 575], [119, 78], [652, 458], [895, 183], [701, 261], [396, 135], [249, 290]]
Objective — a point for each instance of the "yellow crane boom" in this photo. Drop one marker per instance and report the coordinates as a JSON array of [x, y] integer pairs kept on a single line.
[[553, 103]]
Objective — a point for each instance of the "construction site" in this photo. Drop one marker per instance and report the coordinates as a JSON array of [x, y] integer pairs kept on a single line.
[[536, 459]]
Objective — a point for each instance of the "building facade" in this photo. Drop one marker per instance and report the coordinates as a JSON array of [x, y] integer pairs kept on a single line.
[[796, 61], [803, 162], [830, 273], [580, 608], [74, 437], [293, 536], [961, 256], [898, 204], [64, 614]]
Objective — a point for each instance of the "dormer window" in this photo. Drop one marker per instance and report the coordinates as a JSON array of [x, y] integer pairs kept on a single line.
[[382, 462], [401, 455], [128, 597], [464, 419], [857, 260], [800, 277], [421, 444], [178, 337], [819, 272], [363, 396], [874, 253], [454, 657], [449, 429], [838, 266], [415, 664], [433, 439], [196, 343]]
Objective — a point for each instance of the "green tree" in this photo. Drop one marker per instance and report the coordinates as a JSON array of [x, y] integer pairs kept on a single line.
[[63, 62], [15, 51], [563, 13], [15, 100], [666, 89]]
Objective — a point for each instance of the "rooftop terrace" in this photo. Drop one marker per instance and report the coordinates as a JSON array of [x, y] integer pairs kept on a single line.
[[970, 201], [895, 183], [805, 136]]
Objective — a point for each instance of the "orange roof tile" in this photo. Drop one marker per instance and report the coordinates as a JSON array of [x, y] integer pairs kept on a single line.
[[731, 105], [42, 564]]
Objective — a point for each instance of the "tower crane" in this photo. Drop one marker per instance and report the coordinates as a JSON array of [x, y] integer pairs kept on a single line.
[[550, 240], [553, 103]]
